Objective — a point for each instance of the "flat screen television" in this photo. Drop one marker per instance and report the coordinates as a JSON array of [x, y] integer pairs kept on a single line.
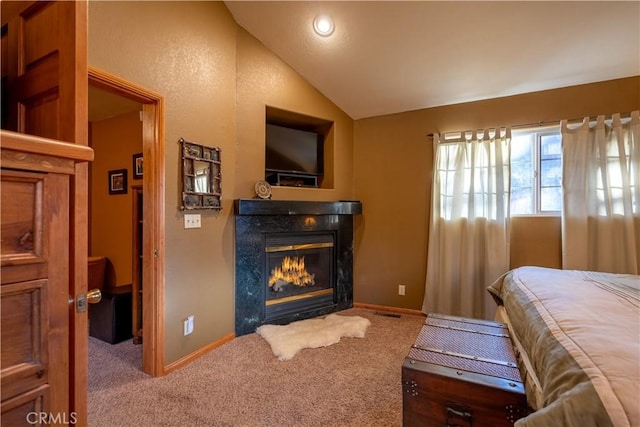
[[294, 150]]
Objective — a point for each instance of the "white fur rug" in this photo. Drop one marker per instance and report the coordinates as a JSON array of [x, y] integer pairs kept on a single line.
[[287, 340]]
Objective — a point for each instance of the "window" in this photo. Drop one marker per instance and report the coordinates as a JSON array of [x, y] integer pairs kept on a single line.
[[536, 172], [473, 177]]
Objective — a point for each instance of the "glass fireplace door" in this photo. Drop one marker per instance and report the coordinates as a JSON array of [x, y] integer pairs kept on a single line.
[[300, 272]]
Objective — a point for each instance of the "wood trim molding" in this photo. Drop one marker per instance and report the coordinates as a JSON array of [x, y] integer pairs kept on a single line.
[[198, 353], [153, 241], [119, 86], [388, 309], [44, 146]]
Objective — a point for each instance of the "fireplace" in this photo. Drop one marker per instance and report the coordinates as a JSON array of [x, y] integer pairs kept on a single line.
[[294, 260], [299, 271]]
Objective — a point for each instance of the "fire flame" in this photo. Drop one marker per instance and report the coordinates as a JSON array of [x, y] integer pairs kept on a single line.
[[292, 270]]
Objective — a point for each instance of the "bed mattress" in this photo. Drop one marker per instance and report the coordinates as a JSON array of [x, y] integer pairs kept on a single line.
[[580, 334]]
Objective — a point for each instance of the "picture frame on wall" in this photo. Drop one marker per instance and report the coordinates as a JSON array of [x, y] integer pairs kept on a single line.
[[118, 181], [137, 166]]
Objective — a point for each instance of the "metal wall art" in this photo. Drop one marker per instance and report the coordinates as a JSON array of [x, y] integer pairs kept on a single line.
[[201, 176]]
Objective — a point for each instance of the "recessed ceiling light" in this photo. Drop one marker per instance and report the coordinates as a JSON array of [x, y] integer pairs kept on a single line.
[[323, 25]]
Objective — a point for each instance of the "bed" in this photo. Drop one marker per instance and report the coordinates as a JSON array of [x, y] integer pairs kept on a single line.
[[577, 334]]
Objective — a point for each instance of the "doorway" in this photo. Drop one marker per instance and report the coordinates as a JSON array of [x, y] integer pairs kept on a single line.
[[151, 268]]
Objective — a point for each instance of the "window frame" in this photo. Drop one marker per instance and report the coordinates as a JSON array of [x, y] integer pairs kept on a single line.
[[537, 132]]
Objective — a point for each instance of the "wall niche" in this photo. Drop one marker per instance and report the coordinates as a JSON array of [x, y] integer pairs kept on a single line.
[[296, 147]]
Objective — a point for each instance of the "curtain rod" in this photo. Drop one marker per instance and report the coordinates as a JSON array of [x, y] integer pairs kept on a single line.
[[553, 122]]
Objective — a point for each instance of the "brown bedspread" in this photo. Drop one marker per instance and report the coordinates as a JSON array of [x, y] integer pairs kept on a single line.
[[581, 331]]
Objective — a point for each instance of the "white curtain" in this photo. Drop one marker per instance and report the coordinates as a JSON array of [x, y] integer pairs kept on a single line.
[[601, 191], [469, 228]]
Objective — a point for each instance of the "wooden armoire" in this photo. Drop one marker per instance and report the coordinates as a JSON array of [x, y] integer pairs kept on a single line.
[[35, 216], [44, 159]]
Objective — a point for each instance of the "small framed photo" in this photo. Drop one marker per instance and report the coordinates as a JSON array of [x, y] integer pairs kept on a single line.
[[118, 181], [137, 166]]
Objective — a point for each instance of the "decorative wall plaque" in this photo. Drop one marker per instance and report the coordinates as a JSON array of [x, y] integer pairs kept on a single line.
[[201, 176]]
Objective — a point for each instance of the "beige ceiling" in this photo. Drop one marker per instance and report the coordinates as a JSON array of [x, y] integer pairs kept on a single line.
[[389, 56], [105, 105]]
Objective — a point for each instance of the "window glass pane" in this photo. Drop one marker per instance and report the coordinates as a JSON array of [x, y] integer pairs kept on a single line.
[[536, 172], [551, 199], [550, 173], [522, 177], [522, 201], [550, 146]]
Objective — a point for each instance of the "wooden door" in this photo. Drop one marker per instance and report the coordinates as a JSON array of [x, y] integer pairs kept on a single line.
[[44, 93], [35, 272]]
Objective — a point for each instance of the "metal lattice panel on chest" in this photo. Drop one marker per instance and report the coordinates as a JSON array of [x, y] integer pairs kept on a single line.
[[483, 348]]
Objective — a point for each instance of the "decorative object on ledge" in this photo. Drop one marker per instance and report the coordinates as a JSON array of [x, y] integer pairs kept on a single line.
[[201, 176], [118, 181], [137, 166], [263, 189]]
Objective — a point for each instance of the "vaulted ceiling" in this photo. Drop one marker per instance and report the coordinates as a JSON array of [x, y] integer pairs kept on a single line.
[[387, 57]]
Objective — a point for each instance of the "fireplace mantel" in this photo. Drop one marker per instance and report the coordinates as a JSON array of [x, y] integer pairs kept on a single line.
[[296, 207], [256, 220]]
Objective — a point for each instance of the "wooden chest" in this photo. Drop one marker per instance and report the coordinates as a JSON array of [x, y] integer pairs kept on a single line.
[[462, 372]]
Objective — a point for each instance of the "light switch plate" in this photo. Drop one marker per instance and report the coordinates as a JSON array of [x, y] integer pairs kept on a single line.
[[192, 221]]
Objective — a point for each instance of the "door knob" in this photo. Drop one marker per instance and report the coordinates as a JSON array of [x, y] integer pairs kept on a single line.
[[94, 296]]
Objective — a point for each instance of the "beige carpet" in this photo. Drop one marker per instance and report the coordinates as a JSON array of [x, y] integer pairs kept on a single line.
[[355, 382]]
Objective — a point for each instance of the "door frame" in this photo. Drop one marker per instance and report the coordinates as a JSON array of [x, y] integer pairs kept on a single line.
[[153, 234]]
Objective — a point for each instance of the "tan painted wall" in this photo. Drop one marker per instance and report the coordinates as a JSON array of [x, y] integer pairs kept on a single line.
[[393, 160], [263, 79], [216, 80], [185, 51], [536, 241], [114, 142]]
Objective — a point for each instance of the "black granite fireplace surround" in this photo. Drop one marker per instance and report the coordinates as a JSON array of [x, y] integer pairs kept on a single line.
[[260, 223]]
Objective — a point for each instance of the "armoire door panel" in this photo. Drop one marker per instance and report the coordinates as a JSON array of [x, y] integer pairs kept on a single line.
[[34, 69], [22, 225], [40, 37], [24, 354], [25, 410], [34, 112], [40, 80]]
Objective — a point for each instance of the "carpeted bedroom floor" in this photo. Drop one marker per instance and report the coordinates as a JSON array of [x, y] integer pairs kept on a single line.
[[355, 382]]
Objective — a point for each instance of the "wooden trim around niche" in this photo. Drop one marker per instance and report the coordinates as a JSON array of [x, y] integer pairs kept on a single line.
[[153, 240]]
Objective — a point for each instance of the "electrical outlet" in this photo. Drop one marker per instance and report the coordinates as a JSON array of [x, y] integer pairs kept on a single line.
[[192, 221], [400, 289], [188, 325]]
